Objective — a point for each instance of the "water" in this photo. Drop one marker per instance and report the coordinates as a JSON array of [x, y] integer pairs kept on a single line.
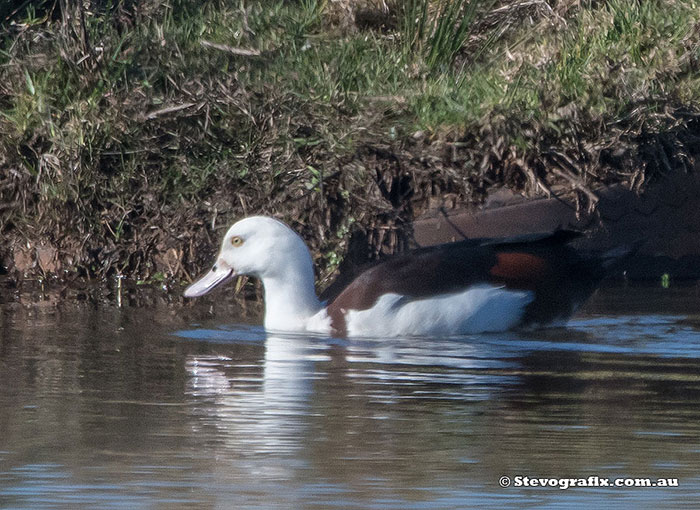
[[159, 405]]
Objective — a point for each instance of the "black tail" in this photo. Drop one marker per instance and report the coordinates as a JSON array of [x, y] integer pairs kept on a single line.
[[613, 260]]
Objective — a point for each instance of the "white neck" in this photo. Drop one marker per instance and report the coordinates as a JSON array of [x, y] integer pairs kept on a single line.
[[290, 299]]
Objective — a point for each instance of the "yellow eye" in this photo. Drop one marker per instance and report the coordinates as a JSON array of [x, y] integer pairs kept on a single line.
[[236, 240]]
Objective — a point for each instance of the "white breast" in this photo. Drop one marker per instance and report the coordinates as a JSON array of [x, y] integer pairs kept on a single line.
[[319, 323]]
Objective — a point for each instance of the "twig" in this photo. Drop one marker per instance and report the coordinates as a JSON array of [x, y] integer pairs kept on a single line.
[[578, 184], [169, 109], [534, 180], [243, 52], [387, 99], [8, 205], [519, 5], [83, 29]]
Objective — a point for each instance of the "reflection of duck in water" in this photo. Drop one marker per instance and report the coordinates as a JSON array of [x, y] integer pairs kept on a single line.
[[472, 286], [259, 402]]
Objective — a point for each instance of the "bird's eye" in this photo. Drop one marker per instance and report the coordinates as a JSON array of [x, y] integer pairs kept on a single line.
[[236, 240]]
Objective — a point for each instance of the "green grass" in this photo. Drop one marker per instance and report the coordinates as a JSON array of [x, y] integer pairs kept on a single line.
[[116, 142], [436, 32]]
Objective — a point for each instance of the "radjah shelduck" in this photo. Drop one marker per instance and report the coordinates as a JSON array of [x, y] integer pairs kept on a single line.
[[471, 286]]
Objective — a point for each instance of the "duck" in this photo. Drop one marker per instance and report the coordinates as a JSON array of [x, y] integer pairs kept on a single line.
[[482, 285]]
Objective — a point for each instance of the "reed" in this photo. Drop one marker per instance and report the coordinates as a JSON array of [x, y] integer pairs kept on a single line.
[[437, 31]]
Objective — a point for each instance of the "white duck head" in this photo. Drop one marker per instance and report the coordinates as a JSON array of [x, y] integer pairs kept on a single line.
[[267, 249]]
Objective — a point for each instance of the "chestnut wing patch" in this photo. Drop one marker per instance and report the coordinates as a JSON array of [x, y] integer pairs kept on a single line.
[[521, 270]]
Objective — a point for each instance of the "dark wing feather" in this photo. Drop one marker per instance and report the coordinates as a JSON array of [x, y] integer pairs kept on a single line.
[[420, 270], [421, 273], [556, 237]]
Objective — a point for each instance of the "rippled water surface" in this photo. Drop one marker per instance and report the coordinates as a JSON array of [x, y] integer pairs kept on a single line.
[[159, 405]]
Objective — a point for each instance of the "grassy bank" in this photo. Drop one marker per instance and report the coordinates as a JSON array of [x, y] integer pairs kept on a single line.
[[131, 133]]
